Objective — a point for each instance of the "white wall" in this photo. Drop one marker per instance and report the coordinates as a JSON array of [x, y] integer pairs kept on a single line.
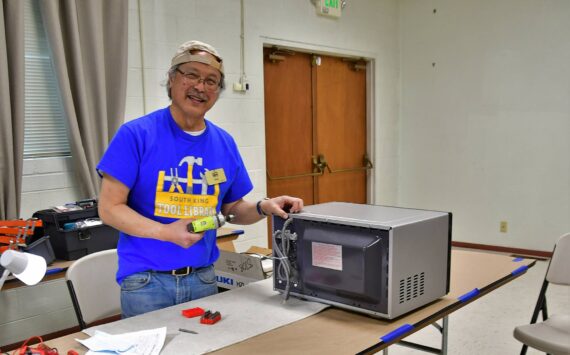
[[35, 310], [485, 131], [48, 182], [366, 28]]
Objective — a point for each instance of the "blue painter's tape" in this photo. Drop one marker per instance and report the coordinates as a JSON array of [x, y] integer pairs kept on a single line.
[[397, 332], [469, 295], [516, 260], [520, 270], [54, 271]]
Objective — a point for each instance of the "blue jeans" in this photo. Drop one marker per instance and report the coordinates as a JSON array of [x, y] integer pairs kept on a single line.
[[148, 291]]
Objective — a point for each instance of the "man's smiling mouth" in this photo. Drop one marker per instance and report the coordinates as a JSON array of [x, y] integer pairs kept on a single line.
[[196, 98]]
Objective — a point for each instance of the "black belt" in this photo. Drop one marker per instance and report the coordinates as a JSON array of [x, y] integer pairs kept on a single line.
[[183, 271]]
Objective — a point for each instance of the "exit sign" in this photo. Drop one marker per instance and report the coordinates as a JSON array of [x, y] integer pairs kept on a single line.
[[329, 8]]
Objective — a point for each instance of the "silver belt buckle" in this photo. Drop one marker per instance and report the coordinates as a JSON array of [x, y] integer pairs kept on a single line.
[[188, 271]]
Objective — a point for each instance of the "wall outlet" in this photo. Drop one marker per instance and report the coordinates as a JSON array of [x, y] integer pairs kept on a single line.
[[503, 227]]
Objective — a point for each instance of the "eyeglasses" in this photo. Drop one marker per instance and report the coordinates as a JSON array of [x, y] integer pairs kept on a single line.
[[193, 79]]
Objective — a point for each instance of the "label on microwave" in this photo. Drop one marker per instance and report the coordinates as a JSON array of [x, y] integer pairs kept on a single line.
[[327, 255]]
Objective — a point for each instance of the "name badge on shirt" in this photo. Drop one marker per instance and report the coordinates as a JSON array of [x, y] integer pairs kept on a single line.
[[216, 176]]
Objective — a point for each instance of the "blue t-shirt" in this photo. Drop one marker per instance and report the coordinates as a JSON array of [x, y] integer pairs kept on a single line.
[[166, 170]]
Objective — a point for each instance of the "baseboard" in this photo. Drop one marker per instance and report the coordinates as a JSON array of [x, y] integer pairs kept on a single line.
[[538, 254]]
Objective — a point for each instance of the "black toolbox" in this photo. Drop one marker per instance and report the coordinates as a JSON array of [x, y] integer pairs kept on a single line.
[[71, 242]]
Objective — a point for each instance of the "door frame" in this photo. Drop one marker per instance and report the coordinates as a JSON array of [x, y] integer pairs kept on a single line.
[[370, 93]]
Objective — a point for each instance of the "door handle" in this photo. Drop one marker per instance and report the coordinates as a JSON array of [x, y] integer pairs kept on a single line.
[[318, 170], [367, 165]]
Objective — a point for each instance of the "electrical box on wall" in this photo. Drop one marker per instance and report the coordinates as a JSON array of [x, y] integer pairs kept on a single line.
[[242, 85], [331, 8]]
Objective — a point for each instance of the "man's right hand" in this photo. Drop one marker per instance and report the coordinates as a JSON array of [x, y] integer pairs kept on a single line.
[[177, 233]]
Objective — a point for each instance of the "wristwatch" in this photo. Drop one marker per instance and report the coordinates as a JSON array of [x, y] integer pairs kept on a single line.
[[258, 206]]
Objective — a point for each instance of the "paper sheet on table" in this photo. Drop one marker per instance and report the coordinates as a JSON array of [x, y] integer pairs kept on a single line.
[[144, 342], [246, 312]]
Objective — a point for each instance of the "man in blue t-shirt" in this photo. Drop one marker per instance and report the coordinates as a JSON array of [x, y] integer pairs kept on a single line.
[[162, 171]]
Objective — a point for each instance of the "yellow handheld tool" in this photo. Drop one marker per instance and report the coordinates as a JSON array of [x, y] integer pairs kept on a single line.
[[208, 223]]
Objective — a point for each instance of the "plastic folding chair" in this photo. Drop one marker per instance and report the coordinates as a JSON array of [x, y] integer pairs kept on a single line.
[[94, 292], [552, 335]]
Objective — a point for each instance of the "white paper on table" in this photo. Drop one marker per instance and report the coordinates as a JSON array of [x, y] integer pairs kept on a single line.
[[144, 342]]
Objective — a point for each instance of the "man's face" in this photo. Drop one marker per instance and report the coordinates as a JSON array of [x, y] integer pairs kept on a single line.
[[191, 88]]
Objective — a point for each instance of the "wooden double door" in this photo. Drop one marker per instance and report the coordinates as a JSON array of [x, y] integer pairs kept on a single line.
[[315, 127]]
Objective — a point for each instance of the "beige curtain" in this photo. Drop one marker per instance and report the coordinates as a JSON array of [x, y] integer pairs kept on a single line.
[[11, 106], [88, 40]]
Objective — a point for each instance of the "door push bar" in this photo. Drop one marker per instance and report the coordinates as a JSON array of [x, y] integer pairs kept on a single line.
[[319, 163]]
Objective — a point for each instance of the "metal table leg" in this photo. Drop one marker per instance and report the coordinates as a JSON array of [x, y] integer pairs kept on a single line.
[[443, 329], [444, 335]]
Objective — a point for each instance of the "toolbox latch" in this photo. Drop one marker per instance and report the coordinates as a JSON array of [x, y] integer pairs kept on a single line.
[[84, 234]]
